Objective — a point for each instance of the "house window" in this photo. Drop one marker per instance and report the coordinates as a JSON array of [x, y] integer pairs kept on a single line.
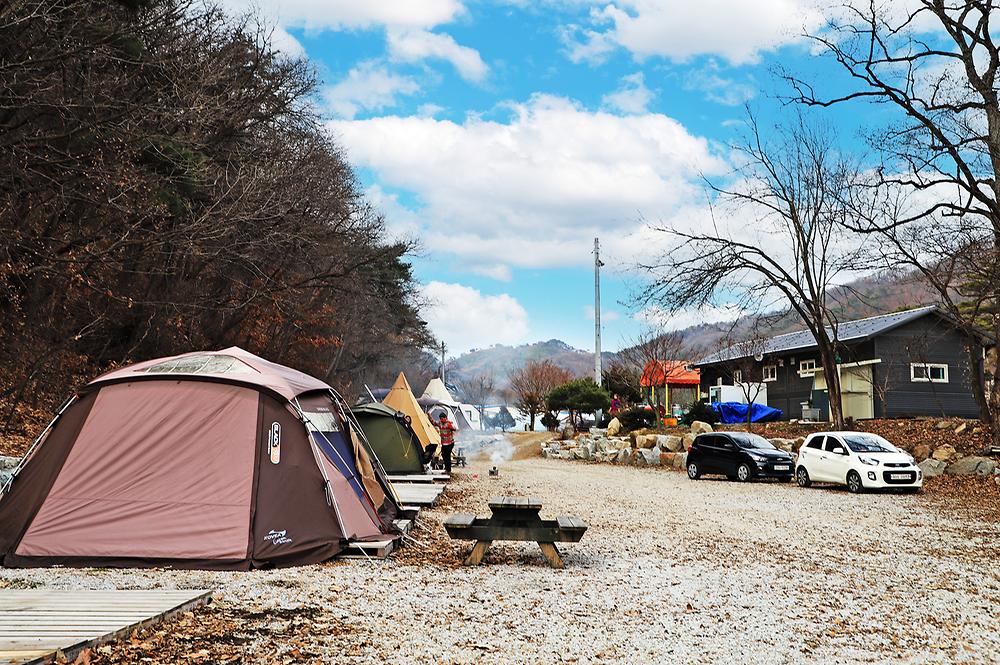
[[807, 367], [928, 373], [737, 376], [770, 372]]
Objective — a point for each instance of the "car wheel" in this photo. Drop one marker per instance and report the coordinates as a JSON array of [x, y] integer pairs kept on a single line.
[[743, 473], [854, 485], [694, 473], [802, 477]]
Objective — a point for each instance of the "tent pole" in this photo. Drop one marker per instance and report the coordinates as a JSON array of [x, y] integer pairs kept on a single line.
[[35, 444]]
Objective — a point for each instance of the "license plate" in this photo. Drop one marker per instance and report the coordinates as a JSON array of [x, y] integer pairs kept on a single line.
[[781, 467], [899, 476]]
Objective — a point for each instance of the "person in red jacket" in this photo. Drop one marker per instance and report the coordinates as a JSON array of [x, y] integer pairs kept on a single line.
[[447, 430]]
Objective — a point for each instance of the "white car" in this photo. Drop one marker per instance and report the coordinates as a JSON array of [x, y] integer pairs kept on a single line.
[[857, 459]]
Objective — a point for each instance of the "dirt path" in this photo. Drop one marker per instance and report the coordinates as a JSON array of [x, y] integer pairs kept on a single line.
[[671, 570]]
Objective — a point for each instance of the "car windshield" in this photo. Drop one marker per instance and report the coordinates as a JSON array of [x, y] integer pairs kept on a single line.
[[752, 441], [868, 443]]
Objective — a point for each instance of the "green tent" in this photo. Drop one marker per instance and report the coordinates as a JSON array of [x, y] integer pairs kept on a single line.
[[390, 438]]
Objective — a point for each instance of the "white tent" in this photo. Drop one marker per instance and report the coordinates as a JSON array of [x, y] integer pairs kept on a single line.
[[438, 391]]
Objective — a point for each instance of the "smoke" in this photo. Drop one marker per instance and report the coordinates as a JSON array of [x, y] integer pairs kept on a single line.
[[497, 447]]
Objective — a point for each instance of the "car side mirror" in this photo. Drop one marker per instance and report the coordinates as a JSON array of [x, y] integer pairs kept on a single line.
[[840, 451]]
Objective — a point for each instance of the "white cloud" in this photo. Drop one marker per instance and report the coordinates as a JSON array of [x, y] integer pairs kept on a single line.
[[736, 30], [534, 190], [632, 97], [718, 88], [497, 271], [351, 14], [607, 315], [463, 317], [416, 45], [368, 87]]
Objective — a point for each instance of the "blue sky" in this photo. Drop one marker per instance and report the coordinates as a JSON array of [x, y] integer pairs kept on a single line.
[[506, 135]]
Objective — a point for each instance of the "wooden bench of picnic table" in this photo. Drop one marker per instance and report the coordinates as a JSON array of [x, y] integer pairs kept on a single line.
[[515, 518]]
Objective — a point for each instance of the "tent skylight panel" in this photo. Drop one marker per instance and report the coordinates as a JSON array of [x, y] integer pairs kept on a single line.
[[215, 364]]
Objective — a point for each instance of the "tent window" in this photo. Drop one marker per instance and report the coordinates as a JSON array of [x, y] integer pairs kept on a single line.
[[202, 365], [323, 421]]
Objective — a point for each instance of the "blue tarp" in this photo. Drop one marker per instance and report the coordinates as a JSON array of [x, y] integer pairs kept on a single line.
[[736, 412]]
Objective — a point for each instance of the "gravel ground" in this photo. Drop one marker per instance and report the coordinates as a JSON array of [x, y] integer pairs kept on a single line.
[[670, 571]]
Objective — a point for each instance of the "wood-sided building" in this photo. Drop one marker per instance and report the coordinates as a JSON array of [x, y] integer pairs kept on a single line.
[[899, 365]]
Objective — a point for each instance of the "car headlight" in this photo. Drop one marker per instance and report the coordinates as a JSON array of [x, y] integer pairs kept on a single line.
[[757, 458], [870, 461]]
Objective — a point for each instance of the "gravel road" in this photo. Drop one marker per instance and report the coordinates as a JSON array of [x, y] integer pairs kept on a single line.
[[670, 571]]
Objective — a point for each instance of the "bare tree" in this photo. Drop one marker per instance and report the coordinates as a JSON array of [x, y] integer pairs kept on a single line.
[[742, 359], [532, 383], [656, 355], [477, 391], [783, 245], [934, 201]]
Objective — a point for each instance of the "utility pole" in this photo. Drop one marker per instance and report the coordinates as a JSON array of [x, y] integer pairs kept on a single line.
[[442, 362], [597, 311]]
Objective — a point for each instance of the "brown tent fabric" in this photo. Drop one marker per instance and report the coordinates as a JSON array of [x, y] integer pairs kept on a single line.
[[188, 470], [401, 399]]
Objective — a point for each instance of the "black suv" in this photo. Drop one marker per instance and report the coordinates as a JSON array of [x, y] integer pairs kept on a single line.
[[737, 455]]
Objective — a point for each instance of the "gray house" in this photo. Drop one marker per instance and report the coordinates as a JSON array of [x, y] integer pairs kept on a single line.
[[899, 365]]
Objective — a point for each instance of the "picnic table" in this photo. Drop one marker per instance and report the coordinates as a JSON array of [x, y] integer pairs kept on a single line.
[[515, 518]]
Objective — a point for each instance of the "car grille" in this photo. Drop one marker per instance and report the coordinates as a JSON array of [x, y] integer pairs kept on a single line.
[[896, 465], [887, 476]]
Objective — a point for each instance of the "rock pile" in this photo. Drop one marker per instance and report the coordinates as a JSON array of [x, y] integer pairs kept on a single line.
[[670, 450]]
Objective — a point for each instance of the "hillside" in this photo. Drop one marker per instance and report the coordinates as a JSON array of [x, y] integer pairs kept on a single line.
[[863, 298]]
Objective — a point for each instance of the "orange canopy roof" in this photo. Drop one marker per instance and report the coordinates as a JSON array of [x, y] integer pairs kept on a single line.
[[669, 372]]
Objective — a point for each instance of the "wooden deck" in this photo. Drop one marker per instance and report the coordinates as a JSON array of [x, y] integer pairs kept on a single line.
[[38, 624], [418, 494], [421, 478]]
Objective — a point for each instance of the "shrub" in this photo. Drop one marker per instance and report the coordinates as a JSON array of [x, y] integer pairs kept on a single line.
[[702, 411], [550, 421], [637, 418]]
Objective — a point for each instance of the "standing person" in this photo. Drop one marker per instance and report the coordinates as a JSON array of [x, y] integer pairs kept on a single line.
[[447, 430], [616, 405]]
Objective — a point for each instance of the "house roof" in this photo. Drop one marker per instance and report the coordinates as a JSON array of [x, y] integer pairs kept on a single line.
[[673, 372], [847, 331]]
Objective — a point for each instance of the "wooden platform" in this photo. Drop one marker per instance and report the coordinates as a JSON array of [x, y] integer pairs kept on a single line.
[[38, 624], [421, 478], [416, 494]]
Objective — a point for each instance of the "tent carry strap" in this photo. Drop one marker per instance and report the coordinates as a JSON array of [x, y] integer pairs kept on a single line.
[[35, 444]]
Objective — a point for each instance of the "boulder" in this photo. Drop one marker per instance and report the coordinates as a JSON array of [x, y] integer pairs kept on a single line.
[[968, 466], [944, 424], [598, 432], [670, 442], [583, 452], [961, 428], [686, 441], [921, 452], [567, 454], [783, 444], [614, 427], [650, 457], [645, 441], [8, 463], [944, 453], [699, 427], [667, 459], [680, 461], [932, 467], [623, 456], [566, 432]]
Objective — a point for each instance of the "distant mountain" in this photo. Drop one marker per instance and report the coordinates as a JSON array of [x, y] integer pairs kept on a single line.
[[867, 297], [500, 360]]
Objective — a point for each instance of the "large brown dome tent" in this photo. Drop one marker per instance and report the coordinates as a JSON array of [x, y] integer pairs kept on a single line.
[[215, 460]]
